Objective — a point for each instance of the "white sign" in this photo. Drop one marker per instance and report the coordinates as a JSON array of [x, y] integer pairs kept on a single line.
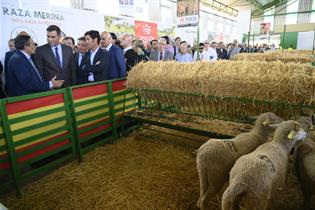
[[34, 21]]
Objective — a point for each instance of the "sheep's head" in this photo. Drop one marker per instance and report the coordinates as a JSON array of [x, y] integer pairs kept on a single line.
[[289, 131], [306, 123], [267, 119]]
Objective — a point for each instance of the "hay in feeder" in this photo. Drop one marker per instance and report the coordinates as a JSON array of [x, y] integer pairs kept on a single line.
[[139, 172], [285, 57]]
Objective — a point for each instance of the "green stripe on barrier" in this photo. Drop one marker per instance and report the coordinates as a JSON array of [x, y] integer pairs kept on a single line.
[[93, 109], [86, 120], [47, 167], [92, 146], [39, 125], [47, 154], [41, 135], [84, 139], [38, 114], [42, 146], [83, 130], [82, 103]]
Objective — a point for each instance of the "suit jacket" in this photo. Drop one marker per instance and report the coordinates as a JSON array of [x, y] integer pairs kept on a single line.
[[100, 71], [21, 77], [117, 63], [131, 59], [6, 59], [2, 94], [46, 63], [223, 54], [80, 79], [155, 54]]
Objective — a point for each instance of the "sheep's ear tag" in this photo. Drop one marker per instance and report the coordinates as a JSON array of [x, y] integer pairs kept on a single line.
[[266, 122], [291, 135]]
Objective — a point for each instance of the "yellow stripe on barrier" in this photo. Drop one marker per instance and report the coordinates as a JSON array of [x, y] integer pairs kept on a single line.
[[121, 105], [1, 130], [34, 132], [129, 95], [39, 140], [87, 106], [93, 121], [34, 111], [2, 142], [37, 120], [92, 114], [88, 98]]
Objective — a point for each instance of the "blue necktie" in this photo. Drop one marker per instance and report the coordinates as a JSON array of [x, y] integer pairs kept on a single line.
[[57, 58], [36, 70]]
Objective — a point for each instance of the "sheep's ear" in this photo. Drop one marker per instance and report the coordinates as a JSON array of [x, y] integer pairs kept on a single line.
[[266, 122], [292, 134], [274, 125]]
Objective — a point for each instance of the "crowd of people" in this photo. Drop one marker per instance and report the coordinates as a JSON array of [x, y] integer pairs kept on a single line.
[[96, 57]]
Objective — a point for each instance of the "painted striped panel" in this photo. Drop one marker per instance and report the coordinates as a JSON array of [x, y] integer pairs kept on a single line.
[[91, 109], [37, 122]]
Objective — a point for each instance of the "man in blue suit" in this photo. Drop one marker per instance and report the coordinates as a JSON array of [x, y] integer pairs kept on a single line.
[[22, 76], [117, 61], [95, 63]]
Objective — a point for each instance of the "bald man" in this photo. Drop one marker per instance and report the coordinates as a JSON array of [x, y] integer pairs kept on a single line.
[[130, 55], [117, 60]]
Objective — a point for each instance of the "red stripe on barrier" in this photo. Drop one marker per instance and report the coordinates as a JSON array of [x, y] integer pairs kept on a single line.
[[4, 165], [41, 142], [93, 124], [35, 103], [102, 127], [42, 151], [83, 92], [119, 85]]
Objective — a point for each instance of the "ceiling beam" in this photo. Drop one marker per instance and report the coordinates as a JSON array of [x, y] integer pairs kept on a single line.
[[256, 3]]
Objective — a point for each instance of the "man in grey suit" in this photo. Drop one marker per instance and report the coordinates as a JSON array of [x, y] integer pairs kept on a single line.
[[55, 59], [161, 54]]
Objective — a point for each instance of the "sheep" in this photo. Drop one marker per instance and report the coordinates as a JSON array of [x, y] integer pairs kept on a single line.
[[216, 157], [304, 163], [256, 177]]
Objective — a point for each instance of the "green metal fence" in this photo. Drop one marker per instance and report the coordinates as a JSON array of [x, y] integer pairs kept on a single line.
[[42, 131]]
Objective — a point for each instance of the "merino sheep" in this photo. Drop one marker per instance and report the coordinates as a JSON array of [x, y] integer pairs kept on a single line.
[[256, 177], [304, 162], [216, 157]]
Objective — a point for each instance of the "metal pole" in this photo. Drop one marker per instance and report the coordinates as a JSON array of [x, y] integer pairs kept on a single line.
[[250, 26], [198, 30], [284, 31]]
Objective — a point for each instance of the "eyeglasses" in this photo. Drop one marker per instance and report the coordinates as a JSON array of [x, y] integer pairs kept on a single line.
[[102, 39], [206, 42], [201, 48]]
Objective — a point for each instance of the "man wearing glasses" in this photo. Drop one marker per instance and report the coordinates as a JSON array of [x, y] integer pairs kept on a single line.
[[55, 59]]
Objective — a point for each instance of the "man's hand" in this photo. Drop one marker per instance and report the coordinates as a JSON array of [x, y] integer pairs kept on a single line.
[[56, 83]]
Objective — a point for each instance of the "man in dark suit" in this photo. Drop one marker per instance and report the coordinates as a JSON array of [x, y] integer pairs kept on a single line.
[[22, 75], [131, 57], [222, 52], [9, 53], [78, 57], [117, 59], [95, 66], [54, 58], [2, 94]]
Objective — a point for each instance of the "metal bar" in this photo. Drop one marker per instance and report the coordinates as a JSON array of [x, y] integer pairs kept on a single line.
[[73, 124], [11, 148], [182, 128], [112, 110]]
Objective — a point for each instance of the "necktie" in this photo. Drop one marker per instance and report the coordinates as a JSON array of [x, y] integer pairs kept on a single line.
[[57, 57], [36, 70], [161, 56]]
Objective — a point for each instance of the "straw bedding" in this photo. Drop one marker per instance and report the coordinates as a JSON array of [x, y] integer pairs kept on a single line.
[[275, 81], [285, 57], [142, 171]]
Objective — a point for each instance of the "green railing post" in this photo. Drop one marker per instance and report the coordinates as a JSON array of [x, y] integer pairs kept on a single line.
[[72, 120], [11, 148], [112, 110]]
